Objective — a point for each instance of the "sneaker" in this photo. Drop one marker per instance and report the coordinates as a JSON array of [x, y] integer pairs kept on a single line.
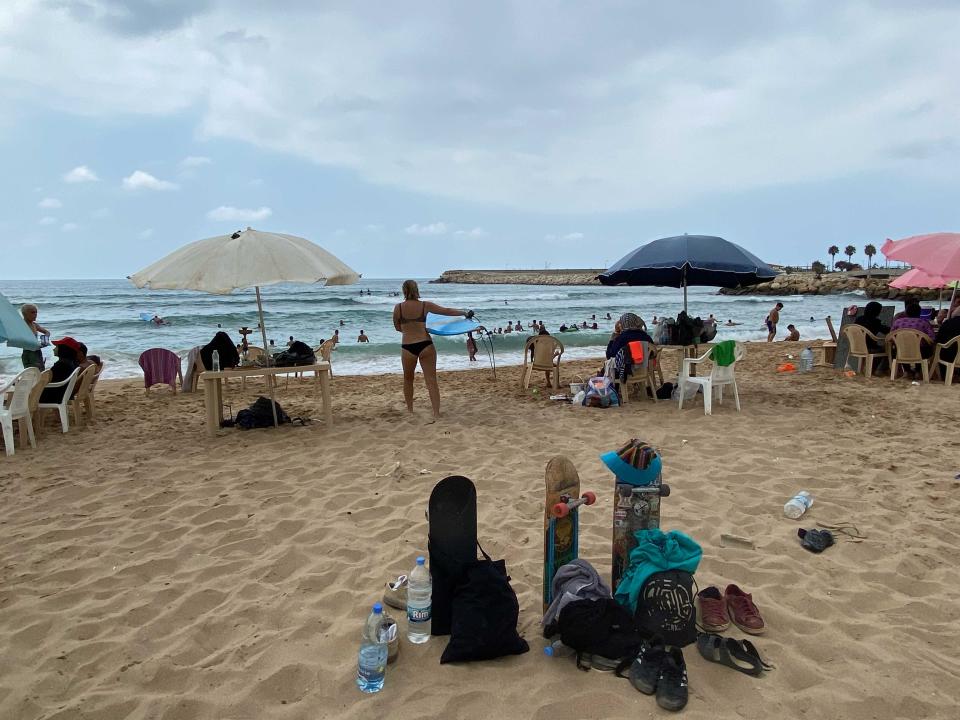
[[672, 691], [744, 614], [645, 670], [713, 610], [395, 593]]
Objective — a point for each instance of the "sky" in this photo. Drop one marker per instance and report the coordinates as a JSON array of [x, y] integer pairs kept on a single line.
[[410, 138]]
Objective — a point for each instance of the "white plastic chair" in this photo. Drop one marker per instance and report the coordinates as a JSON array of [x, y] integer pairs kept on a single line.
[[720, 376], [18, 409], [61, 407]]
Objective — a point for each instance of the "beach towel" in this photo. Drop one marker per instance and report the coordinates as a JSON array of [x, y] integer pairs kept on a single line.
[[577, 580], [656, 551], [191, 363], [722, 353]]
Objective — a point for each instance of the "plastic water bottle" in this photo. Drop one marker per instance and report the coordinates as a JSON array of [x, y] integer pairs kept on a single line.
[[798, 505], [557, 649], [215, 360], [419, 592], [372, 659], [806, 360]]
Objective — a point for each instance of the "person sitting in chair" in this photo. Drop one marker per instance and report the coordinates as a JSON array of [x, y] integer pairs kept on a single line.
[[628, 328]]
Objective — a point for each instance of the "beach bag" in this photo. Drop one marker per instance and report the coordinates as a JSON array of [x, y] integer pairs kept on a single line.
[[260, 415], [665, 391], [665, 608], [484, 614], [689, 391], [665, 333], [299, 353], [599, 627], [600, 393]]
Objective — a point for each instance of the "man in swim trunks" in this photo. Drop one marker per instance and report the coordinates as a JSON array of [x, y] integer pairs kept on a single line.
[[410, 319], [772, 319], [362, 337]]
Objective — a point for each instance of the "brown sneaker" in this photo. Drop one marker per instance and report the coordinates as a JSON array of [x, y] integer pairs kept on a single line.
[[712, 609], [742, 611]]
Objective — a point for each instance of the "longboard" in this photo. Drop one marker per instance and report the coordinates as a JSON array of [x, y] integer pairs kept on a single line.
[[452, 543], [634, 508], [561, 522]]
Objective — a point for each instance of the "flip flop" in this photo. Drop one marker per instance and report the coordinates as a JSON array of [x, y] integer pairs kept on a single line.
[[729, 652], [816, 541]]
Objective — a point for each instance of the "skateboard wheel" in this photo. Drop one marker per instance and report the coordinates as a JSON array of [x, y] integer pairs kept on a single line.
[[561, 510], [589, 497], [664, 490]]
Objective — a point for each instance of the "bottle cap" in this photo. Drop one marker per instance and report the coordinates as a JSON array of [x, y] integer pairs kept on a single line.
[[548, 651], [421, 560], [377, 608]]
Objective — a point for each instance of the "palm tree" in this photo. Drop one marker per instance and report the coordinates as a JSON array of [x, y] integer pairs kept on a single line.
[[869, 251], [849, 250], [818, 268], [833, 252]]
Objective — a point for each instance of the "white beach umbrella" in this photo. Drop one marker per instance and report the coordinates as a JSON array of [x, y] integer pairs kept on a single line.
[[247, 258]]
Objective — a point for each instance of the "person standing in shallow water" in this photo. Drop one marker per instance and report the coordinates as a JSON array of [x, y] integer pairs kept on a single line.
[[410, 320]]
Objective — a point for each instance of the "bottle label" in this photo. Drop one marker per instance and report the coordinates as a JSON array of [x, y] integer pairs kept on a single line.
[[418, 614]]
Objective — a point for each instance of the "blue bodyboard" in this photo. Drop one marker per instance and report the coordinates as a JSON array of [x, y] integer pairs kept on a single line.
[[444, 325]]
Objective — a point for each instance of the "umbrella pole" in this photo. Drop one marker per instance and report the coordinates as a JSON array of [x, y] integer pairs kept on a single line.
[[266, 352], [685, 289]]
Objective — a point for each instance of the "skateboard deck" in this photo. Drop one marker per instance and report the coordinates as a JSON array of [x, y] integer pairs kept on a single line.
[[635, 507], [452, 543], [561, 522]]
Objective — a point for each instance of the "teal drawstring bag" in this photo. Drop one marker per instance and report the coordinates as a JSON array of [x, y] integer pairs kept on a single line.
[[656, 552]]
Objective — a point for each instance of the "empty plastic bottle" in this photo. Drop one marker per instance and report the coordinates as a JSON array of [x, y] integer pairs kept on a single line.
[[558, 650], [806, 360], [798, 505], [372, 659], [215, 360], [419, 600]]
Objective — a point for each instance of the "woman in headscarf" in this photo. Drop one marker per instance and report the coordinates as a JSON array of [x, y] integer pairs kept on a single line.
[[628, 328], [871, 321], [229, 357]]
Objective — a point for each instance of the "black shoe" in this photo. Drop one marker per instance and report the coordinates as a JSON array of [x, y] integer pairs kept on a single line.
[[645, 670], [672, 683]]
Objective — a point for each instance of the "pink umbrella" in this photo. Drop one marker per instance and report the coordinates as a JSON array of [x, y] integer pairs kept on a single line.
[[918, 278], [937, 253]]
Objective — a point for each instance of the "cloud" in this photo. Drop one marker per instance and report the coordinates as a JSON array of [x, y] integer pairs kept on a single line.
[[80, 174], [48, 220], [140, 180], [477, 232], [145, 234], [568, 236], [229, 213], [545, 117], [372, 227], [195, 161], [49, 202], [69, 227], [437, 228]]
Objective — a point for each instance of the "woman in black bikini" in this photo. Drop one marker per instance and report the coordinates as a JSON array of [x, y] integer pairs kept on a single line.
[[410, 319]]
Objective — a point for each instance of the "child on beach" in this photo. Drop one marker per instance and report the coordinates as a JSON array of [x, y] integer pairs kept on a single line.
[[471, 347], [771, 322]]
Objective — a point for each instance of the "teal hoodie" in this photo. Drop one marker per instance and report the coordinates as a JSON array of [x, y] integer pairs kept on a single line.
[[655, 552]]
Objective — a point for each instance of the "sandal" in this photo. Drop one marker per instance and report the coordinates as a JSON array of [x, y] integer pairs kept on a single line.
[[751, 649], [729, 652], [816, 541]]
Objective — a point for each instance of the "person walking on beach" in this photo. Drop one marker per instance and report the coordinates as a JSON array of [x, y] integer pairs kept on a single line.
[[772, 319], [410, 320], [33, 358], [471, 347]]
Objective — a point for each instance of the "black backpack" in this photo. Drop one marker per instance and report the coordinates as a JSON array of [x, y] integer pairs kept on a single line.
[[665, 608], [260, 415], [600, 627], [299, 353]]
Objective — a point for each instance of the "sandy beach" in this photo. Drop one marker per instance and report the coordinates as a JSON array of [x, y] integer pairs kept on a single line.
[[151, 572]]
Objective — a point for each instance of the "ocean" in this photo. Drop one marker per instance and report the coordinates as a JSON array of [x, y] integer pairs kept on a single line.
[[105, 315]]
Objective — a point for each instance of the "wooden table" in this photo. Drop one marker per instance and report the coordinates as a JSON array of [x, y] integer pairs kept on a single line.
[[213, 387]]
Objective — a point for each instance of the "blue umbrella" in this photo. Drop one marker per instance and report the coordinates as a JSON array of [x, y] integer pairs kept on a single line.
[[14, 329], [687, 260]]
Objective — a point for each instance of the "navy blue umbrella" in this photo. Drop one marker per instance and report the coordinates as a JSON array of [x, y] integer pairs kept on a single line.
[[687, 260]]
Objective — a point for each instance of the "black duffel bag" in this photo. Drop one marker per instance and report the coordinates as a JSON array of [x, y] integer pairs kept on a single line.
[[299, 353]]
